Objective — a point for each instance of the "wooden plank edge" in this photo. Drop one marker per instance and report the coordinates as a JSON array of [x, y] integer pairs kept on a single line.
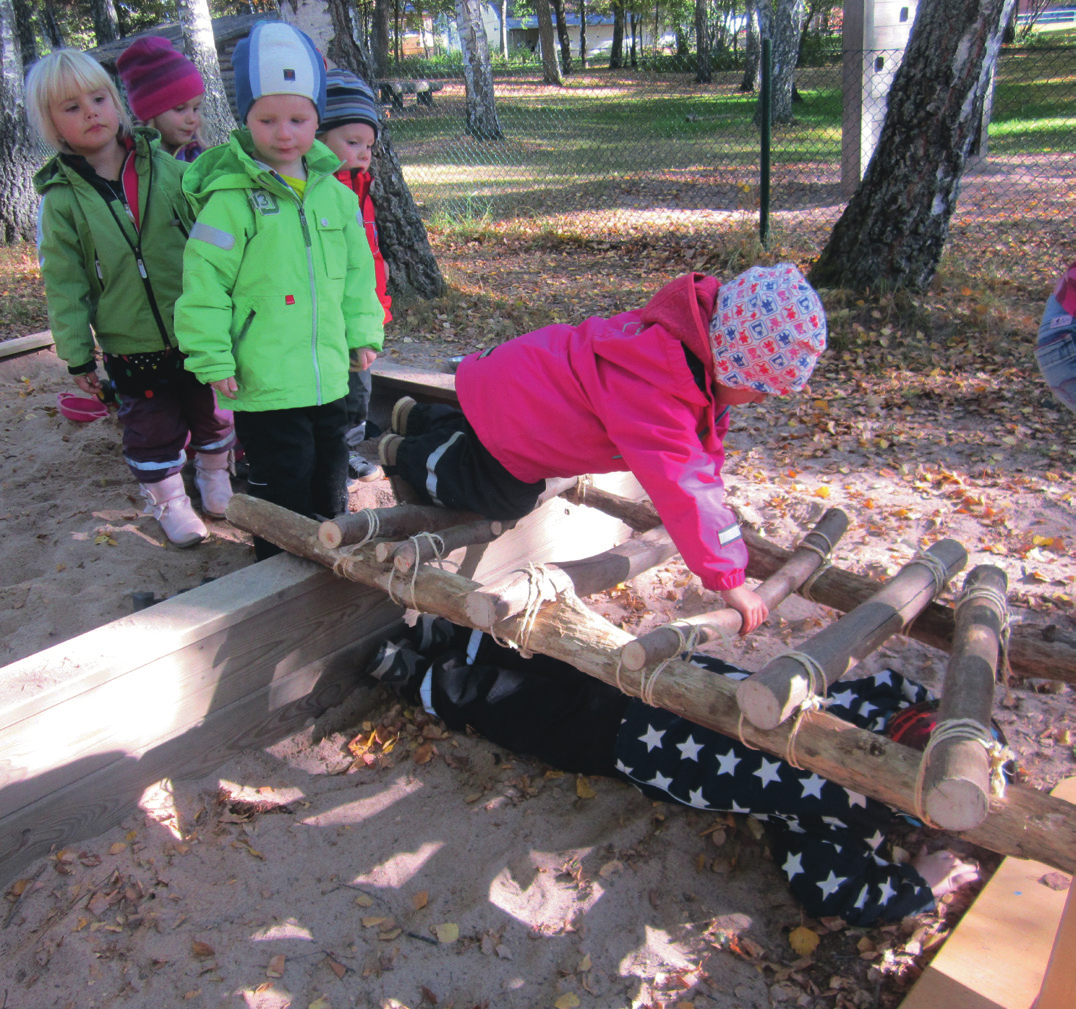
[[996, 957], [88, 798], [26, 344]]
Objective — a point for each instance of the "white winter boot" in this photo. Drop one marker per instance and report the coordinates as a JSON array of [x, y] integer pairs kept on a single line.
[[168, 503], [211, 477]]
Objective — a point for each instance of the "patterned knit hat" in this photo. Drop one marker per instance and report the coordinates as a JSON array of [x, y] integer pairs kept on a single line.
[[157, 77], [767, 331], [277, 59], [348, 100]]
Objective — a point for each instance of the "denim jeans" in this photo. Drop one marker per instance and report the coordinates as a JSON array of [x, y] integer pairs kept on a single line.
[[1056, 352]]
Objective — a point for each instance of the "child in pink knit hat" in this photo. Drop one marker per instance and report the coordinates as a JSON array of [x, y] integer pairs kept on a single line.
[[647, 391], [165, 92]]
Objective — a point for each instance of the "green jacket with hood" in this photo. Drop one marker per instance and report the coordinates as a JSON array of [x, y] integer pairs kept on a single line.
[[91, 254], [276, 290]]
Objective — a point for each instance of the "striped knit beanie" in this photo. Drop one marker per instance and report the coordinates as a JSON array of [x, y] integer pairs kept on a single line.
[[348, 100], [157, 77], [277, 59], [767, 330]]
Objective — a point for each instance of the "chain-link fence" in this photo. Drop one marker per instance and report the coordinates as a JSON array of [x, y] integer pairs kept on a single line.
[[636, 150]]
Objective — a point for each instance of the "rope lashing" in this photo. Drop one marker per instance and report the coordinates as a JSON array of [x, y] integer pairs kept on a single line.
[[808, 585], [939, 573], [540, 587], [1000, 600], [814, 701], [963, 730], [686, 645]]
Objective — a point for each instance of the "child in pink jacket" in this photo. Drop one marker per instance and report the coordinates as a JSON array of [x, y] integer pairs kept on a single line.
[[647, 391]]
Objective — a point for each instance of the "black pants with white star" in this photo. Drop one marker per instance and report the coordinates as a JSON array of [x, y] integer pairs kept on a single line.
[[825, 838]]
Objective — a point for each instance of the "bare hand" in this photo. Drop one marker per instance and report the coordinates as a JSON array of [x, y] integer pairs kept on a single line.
[[362, 358], [750, 606], [89, 383], [943, 870], [226, 387]]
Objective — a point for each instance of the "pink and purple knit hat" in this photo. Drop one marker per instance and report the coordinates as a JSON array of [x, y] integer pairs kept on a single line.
[[767, 330], [157, 77]]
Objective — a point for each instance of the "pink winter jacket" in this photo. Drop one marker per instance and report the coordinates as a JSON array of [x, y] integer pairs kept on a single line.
[[617, 394]]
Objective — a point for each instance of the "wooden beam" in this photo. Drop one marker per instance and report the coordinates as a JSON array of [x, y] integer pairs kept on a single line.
[[772, 694], [426, 386], [1033, 650], [25, 344], [666, 642], [997, 955], [1025, 822], [956, 775]]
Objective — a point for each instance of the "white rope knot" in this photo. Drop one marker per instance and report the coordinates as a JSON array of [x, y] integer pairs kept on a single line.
[[540, 587], [822, 552], [939, 573], [989, 594], [963, 730], [374, 523]]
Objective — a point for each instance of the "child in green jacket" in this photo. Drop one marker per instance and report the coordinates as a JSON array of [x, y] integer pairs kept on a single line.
[[113, 224], [278, 278]]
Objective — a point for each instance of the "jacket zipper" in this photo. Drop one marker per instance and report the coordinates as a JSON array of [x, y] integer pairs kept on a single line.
[[313, 302]]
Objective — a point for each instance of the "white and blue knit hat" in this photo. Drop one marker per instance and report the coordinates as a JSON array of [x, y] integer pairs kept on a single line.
[[348, 100], [767, 331], [277, 59]]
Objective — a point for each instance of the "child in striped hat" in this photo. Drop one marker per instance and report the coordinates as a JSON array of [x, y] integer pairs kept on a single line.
[[349, 129]]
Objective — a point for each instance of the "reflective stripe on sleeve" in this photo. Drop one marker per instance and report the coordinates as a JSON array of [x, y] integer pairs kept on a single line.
[[213, 236]]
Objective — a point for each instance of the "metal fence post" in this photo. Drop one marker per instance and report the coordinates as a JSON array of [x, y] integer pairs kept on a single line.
[[766, 109]]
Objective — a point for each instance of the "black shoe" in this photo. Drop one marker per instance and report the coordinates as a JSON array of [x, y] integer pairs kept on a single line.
[[431, 635], [372, 431], [400, 669]]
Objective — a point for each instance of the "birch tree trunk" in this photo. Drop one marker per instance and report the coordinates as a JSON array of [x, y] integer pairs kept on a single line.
[[752, 51], [401, 233], [18, 201], [482, 121], [895, 227], [197, 24], [550, 66], [785, 26]]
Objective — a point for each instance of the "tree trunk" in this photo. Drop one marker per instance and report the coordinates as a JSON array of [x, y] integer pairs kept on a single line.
[[616, 53], [894, 229], [1025, 823], [18, 162], [24, 31], [562, 38], [504, 29], [550, 65], [482, 121], [379, 41], [633, 21], [106, 25], [782, 27], [752, 51], [583, 33], [401, 233], [50, 26], [703, 66], [197, 25]]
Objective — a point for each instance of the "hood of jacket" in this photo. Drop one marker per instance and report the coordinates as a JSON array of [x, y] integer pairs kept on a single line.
[[234, 165], [56, 172], [683, 308]]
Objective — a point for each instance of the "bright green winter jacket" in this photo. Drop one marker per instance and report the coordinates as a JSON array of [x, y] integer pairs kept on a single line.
[[92, 278], [275, 290]]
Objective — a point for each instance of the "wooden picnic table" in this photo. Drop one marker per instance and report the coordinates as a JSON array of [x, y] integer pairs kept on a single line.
[[392, 92]]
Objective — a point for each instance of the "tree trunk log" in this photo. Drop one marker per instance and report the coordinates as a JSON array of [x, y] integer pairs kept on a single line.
[[666, 642], [386, 523], [436, 546], [956, 778], [1032, 651], [771, 695], [1025, 823], [514, 594]]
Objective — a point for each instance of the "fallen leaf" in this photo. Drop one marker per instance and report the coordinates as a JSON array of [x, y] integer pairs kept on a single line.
[[419, 900], [337, 968], [201, 949], [446, 932], [119, 846], [363, 900], [610, 869], [803, 940], [583, 788], [569, 1001], [276, 966], [321, 1003]]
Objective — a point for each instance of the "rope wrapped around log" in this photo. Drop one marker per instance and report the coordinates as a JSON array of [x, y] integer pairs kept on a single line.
[[388, 523], [1025, 823], [666, 642], [955, 769], [791, 680]]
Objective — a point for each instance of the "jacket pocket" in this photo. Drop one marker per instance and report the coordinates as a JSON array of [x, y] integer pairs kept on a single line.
[[333, 247]]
